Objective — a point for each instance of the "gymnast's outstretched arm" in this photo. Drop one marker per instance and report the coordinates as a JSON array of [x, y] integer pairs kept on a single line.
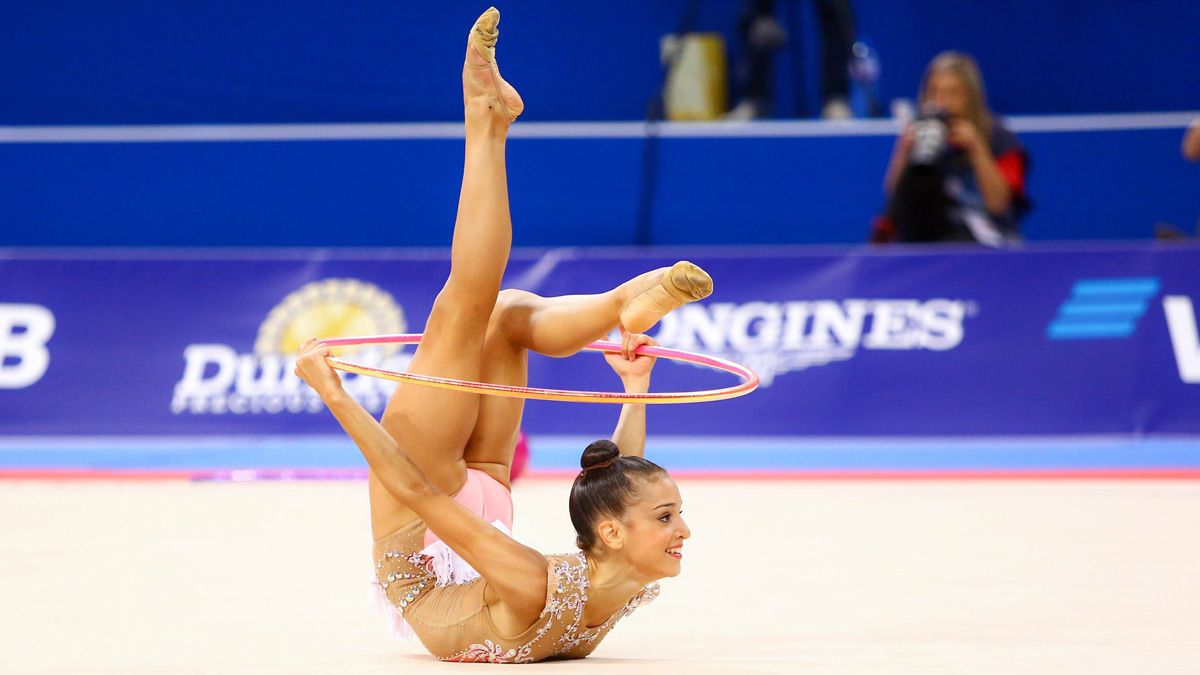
[[516, 572], [634, 371]]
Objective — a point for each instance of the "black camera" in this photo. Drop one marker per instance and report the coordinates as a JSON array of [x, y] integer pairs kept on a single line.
[[929, 144]]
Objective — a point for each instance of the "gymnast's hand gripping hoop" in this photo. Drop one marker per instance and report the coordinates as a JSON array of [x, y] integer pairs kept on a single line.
[[749, 378]]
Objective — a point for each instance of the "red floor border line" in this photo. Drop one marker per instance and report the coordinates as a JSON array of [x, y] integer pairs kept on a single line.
[[1190, 473]]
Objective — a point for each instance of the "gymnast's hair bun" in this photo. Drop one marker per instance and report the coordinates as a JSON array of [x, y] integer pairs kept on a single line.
[[599, 453]]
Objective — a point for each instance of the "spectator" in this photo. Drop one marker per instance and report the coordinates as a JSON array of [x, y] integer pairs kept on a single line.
[[762, 35], [1191, 142], [956, 173]]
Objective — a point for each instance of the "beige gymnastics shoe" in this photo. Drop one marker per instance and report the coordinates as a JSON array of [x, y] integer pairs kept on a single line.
[[666, 289], [481, 75]]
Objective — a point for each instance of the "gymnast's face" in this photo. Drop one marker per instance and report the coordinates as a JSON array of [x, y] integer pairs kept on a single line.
[[655, 529]]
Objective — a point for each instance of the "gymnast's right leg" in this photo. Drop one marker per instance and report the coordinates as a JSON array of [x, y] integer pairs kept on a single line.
[[433, 425], [561, 326]]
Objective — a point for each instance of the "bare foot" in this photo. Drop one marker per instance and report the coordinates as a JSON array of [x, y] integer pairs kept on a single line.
[[481, 75], [662, 290]]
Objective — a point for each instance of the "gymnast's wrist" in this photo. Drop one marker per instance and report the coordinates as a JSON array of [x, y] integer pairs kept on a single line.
[[336, 398], [636, 384]]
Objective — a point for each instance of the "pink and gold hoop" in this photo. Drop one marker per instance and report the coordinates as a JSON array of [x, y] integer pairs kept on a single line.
[[749, 378]]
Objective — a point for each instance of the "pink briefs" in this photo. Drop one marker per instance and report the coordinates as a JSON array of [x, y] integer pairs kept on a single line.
[[485, 497]]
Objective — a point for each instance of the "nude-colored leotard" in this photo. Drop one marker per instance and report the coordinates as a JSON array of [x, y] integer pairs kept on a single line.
[[454, 624]]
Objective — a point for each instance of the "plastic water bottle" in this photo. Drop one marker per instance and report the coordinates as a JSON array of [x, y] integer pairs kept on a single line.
[[864, 73]]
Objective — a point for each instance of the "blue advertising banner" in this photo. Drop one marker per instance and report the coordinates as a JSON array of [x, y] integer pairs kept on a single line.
[[863, 342]]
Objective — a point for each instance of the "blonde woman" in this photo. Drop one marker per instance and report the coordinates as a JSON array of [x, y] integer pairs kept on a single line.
[[956, 174]]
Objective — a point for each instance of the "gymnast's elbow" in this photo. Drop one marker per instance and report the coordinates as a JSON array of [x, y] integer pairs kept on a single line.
[[398, 475], [407, 484]]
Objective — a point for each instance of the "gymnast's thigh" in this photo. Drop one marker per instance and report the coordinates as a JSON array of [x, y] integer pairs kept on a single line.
[[493, 440], [432, 425]]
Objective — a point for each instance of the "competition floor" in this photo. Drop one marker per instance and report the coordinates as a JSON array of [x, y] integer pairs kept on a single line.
[[781, 576]]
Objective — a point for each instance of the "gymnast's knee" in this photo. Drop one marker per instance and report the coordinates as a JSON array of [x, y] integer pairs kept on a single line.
[[512, 316], [463, 313]]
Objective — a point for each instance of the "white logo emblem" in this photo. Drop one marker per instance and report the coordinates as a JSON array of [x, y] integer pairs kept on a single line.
[[773, 338], [218, 380]]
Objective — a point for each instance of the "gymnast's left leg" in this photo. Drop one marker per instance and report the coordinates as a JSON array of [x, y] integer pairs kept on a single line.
[[432, 425]]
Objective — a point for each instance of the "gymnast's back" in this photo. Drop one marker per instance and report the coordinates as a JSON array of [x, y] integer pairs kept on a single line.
[[454, 623]]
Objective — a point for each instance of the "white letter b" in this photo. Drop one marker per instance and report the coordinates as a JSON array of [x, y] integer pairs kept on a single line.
[[23, 354]]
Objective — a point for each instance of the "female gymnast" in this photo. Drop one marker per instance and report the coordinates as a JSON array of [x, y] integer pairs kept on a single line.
[[439, 460]]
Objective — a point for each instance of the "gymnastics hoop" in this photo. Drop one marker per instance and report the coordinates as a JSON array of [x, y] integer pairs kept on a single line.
[[749, 378]]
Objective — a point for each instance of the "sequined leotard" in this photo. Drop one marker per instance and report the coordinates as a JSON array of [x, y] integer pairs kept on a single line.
[[454, 624]]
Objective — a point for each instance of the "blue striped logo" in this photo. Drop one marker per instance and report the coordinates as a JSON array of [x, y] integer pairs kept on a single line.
[[1103, 308]]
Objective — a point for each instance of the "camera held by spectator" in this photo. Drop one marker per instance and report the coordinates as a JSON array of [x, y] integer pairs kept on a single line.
[[929, 146]]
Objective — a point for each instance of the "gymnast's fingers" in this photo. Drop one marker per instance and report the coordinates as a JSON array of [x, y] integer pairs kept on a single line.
[[628, 345], [639, 339], [310, 344], [639, 342]]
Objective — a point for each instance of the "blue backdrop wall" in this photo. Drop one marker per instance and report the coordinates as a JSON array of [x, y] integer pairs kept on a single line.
[[75, 63], [72, 62]]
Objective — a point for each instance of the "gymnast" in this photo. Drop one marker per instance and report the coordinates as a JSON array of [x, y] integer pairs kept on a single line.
[[441, 508]]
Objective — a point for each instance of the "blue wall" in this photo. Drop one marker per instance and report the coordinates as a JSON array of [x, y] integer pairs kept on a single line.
[[565, 190], [222, 61], [1047, 56], [75, 63]]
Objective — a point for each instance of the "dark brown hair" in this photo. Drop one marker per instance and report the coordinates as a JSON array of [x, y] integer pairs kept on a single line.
[[607, 485]]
